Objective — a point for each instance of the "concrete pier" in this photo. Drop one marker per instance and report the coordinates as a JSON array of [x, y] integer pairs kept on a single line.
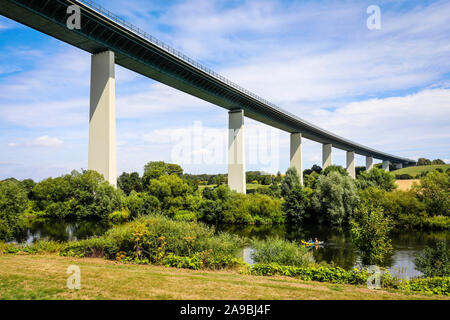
[[326, 155], [351, 164], [296, 154], [369, 163], [385, 165], [102, 120], [236, 151]]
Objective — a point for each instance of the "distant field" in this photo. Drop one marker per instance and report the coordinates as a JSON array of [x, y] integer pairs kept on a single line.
[[406, 184], [416, 170]]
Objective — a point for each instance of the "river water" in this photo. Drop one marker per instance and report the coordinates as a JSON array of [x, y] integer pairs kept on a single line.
[[337, 249]]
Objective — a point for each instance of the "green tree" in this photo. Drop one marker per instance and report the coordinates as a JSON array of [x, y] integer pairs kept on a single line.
[[423, 162], [334, 199], [434, 191], [174, 169], [437, 161], [290, 180], [370, 234], [434, 261], [13, 203], [376, 178], [335, 168], [296, 205], [128, 182]]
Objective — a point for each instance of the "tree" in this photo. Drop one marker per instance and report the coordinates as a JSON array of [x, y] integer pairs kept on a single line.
[[296, 205], [174, 169], [437, 161], [370, 234], [334, 168], [434, 191], [128, 182], [423, 162], [434, 261], [334, 199], [376, 178], [13, 203], [290, 180]]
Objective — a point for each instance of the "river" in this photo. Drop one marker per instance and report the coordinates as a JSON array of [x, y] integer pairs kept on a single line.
[[337, 249]]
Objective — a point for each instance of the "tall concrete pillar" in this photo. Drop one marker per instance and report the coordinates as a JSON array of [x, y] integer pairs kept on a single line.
[[326, 155], [369, 163], [236, 151], [102, 120], [296, 154], [351, 164], [399, 165], [385, 165]]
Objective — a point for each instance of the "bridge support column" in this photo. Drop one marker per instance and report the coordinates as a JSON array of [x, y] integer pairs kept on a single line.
[[399, 165], [326, 155], [351, 164], [102, 120], [369, 163], [236, 152], [296, 154], [385, 165]]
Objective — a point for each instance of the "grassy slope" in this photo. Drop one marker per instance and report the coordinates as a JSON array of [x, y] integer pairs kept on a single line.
[[44, 277], [416, 170]]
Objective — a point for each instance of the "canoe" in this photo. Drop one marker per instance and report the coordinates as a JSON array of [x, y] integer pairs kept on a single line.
[[312, 244]]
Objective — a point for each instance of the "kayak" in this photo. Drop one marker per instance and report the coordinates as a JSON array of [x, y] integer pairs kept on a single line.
[[312, 243]]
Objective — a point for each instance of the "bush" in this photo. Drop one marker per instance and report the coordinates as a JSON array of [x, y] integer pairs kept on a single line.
[[334, 168], [434, 261], [119, 216], [370, 234], [281, 251], [334, 199], [376, 178], [404, 176], [13, 203], [290, 180]]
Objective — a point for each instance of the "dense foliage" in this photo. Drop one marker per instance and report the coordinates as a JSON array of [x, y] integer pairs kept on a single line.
[[13, 203]]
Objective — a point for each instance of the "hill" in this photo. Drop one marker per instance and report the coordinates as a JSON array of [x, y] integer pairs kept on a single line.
[[413, 171]]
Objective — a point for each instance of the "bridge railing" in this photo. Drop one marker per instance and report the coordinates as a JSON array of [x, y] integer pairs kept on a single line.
[[95, 6]]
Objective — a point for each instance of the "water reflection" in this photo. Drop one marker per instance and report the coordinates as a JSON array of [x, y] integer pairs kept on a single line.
[[60, 230]]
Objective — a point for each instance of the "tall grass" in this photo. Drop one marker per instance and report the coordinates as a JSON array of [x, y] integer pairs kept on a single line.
[[281, 251]]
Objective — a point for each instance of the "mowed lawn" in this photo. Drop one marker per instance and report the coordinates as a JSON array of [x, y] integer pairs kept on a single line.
[[44, 277]]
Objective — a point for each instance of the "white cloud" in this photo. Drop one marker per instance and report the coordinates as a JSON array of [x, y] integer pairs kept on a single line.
[[45, 141]]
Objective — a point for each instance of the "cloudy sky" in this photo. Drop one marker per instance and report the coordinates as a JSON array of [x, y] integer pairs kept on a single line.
[[388, 89]]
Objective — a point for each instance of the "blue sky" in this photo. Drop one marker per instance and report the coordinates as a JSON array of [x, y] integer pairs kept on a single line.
[[388, 88]]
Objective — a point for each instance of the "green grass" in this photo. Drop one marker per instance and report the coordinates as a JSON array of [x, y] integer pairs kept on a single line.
[[416, 170], [44, 277], [250, 186]]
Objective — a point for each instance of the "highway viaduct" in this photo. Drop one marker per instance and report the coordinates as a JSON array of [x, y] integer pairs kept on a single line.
[[111, 40]]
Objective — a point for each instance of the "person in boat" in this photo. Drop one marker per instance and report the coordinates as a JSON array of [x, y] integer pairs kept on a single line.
[[310, 241], [316, 241]]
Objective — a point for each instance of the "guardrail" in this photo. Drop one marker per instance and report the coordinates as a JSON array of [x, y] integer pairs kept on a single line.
[[95, 6]]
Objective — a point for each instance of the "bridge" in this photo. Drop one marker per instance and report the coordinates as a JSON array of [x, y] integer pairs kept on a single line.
[[111, 40]]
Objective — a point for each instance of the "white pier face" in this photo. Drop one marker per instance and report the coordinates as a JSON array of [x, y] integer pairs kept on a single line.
[[296, 154], [236, 152], [399, 165], [326, 155], [369, 163], [351, 164], [385, 165], [102, 121]]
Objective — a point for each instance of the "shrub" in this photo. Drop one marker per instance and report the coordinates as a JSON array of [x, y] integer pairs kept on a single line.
[[281, 251], [13, 203], [370, 230], [334, 199], [404, 176], [376, 178], [334, 168], [119, 216], [434, 261]]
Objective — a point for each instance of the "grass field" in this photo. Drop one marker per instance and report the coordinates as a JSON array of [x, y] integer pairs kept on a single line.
[[250, 186], [416, 170], [44, 277], [405, 185]]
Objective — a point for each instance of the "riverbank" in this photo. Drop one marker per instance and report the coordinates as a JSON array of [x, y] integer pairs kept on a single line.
[[44, 277]]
